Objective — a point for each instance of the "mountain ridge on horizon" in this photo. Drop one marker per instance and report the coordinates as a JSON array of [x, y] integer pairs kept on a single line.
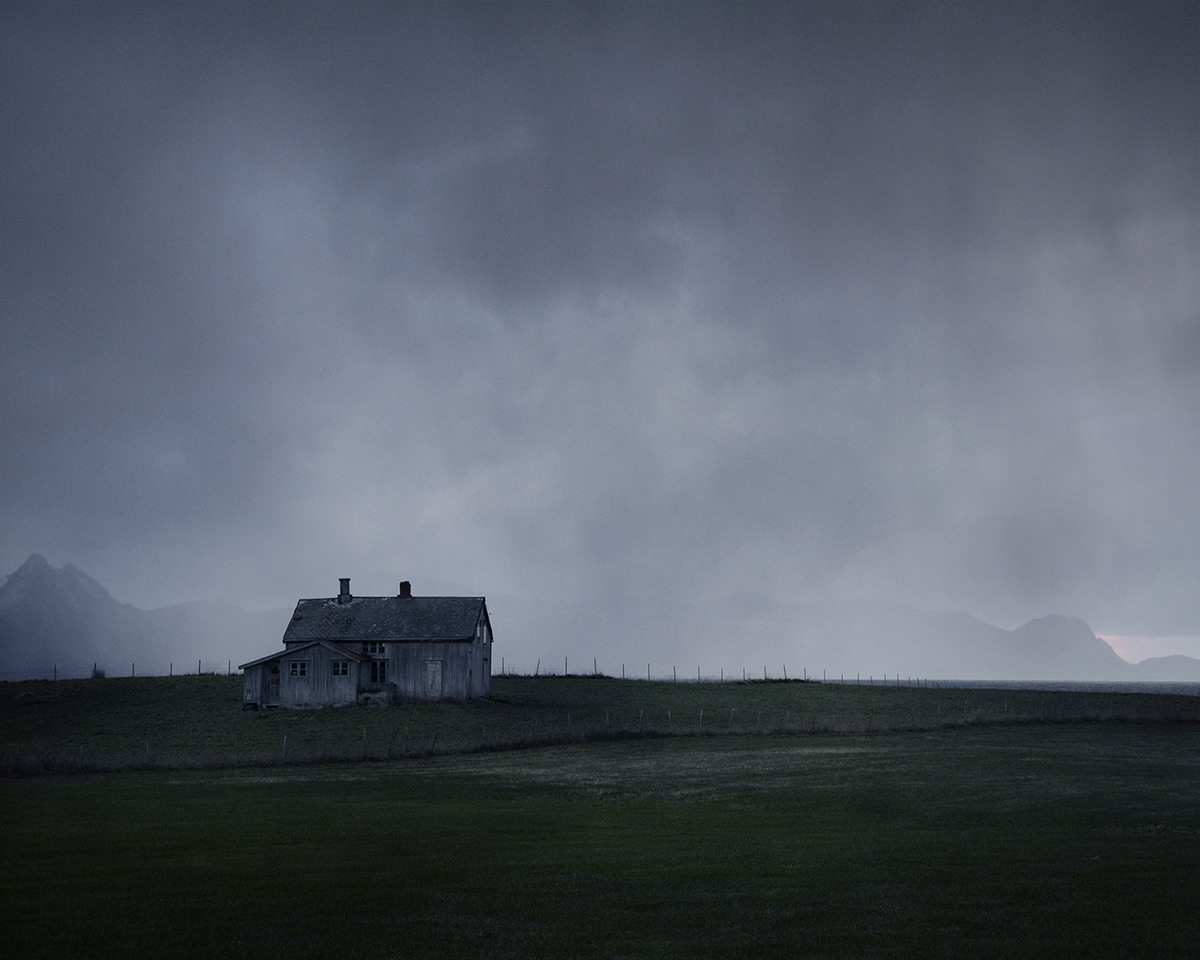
[[61, 616], [63, 621]]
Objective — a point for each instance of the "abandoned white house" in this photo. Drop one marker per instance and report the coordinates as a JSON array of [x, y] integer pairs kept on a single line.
[[347, 649]]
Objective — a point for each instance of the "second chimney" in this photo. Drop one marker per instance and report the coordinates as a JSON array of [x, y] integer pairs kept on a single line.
[[344, 593], [405, 588]]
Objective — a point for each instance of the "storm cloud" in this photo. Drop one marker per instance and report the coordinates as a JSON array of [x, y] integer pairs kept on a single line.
[[648, 321]]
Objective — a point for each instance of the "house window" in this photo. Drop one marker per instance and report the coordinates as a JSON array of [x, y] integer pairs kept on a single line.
[[379, 671], [299, 668], [341, 668], [374, 647]]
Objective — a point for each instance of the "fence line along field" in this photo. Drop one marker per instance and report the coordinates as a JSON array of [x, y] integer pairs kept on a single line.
[[197, 721]]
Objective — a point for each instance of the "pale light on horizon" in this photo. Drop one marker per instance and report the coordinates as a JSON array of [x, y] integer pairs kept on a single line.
[[1136, 649]]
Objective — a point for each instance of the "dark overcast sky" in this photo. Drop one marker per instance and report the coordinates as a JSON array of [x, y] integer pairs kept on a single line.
[[648, 321]]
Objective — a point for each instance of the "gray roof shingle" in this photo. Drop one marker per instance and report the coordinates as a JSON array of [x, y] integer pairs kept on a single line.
[[414, 619]]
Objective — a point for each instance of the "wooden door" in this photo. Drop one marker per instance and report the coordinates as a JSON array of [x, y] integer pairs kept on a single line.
[[433, 679]]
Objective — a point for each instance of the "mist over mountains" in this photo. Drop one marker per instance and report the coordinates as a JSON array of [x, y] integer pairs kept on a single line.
[[61, 619], [870, 637]]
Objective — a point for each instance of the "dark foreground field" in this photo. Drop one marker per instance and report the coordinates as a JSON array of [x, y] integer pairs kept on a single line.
[[1013, 839]]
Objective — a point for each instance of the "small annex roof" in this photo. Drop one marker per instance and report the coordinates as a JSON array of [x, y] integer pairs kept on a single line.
[[337, 648], [393, 619]]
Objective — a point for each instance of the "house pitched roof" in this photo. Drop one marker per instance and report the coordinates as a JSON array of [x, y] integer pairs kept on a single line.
[[415, 619], [337, 648]]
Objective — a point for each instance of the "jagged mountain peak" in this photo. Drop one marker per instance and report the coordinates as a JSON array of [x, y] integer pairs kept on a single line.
[[60, 617], [35, 566], [37, 579]]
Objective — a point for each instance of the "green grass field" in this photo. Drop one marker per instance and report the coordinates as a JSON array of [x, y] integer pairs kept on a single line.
[[197, 721], [1000, 836]]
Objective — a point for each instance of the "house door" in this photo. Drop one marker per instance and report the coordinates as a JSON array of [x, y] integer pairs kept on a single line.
[[273, 686], [433, 679]]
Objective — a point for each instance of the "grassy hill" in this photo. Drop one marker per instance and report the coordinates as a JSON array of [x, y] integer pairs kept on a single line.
[[197, 721]]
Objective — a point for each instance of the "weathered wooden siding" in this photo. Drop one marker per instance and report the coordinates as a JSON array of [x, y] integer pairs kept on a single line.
[[441, 671], [254, 685], [431, 671], [318, 686], [483, 656]]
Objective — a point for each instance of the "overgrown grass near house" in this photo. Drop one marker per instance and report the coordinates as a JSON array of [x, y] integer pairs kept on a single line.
[[1019, 840], [198, 721]]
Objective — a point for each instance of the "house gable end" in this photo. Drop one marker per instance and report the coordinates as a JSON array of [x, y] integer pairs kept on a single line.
[[336, 648]]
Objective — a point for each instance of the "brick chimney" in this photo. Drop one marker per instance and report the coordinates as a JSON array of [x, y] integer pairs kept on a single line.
[[344, 593], [405, 588]]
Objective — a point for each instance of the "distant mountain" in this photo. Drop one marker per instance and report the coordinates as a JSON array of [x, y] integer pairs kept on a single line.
[[866, 638], [61, 618], [1064, 648], [1178, 668]]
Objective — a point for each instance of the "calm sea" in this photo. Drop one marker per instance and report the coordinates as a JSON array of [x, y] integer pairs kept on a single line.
[[1091, 686]]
